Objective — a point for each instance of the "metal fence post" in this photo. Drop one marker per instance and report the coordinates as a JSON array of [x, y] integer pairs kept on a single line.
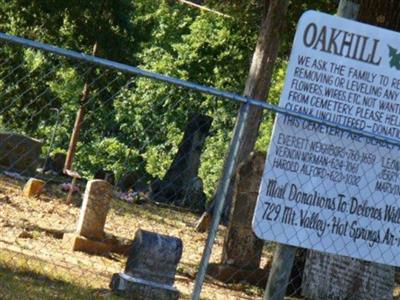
[[229, 168]]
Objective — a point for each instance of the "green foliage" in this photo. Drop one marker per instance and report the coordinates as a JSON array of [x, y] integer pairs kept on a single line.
[[109, 154], [206, 49], [72, 24], [133, 123], [41, 82]]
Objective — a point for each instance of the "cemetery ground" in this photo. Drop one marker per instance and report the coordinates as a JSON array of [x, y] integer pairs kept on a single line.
[[35, 263]]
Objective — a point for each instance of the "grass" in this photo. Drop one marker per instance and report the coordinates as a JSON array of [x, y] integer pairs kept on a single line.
[[19, 280]]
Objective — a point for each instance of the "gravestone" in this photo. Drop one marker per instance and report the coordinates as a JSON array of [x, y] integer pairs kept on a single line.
[[242, 250], [89, 236], [95, 206], [329, 276], [181, 184], [128, 181], [19, 153], [151, 267], [134, 181], [59, 162], [105, 175], [55, 163], [33, 188]]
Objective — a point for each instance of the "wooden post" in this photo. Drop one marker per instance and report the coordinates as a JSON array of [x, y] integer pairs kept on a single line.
[[81, 111], [78, 123], [74, 176], [71, 190]]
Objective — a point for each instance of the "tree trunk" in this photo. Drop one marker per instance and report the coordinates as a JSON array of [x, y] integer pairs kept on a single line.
[[382, 13], [257, 86]]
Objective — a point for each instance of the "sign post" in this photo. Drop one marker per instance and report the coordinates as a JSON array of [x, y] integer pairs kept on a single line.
[[322, 187]]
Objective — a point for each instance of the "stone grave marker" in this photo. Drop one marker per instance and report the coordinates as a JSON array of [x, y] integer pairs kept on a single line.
[[105, 175], [242, 250], [328, 276], [181, 184], [59, 162], [151, 267], [55, 163], [33, 188], [127, 181], [94, 210], [90, 236], [134, 181], [19, 153]]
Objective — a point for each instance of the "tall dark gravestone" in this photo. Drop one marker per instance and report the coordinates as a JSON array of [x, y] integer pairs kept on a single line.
[[181, 185], [150, 269]]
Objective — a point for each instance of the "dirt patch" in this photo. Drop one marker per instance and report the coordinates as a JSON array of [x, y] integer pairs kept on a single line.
[[31, 229]]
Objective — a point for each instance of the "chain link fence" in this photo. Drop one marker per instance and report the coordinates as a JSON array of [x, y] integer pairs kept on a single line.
[[150, 153]]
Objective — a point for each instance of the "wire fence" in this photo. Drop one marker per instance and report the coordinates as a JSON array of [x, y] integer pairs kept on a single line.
[[151, 152]]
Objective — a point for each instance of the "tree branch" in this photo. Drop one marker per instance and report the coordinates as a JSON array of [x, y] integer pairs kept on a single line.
[[204, 8]]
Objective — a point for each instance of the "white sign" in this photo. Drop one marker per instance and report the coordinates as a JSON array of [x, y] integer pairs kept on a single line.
[[323, 188]]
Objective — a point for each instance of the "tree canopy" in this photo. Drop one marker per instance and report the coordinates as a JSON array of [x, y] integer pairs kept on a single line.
[[134, 123]]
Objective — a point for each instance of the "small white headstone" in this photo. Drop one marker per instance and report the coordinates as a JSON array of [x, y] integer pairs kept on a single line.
[[95, 206]]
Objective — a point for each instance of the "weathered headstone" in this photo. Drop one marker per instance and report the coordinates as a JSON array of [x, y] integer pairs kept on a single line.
[[19, 153], [105, 175], [151, 267], [59, 162], [329, 276], [242, 250], [127, 181], [55, 163], [33, 187], [95, 206], [181, 184], [90, 236]]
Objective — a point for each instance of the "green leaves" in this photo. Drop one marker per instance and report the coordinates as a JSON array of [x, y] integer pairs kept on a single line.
[[107, 154], [135, 126]]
